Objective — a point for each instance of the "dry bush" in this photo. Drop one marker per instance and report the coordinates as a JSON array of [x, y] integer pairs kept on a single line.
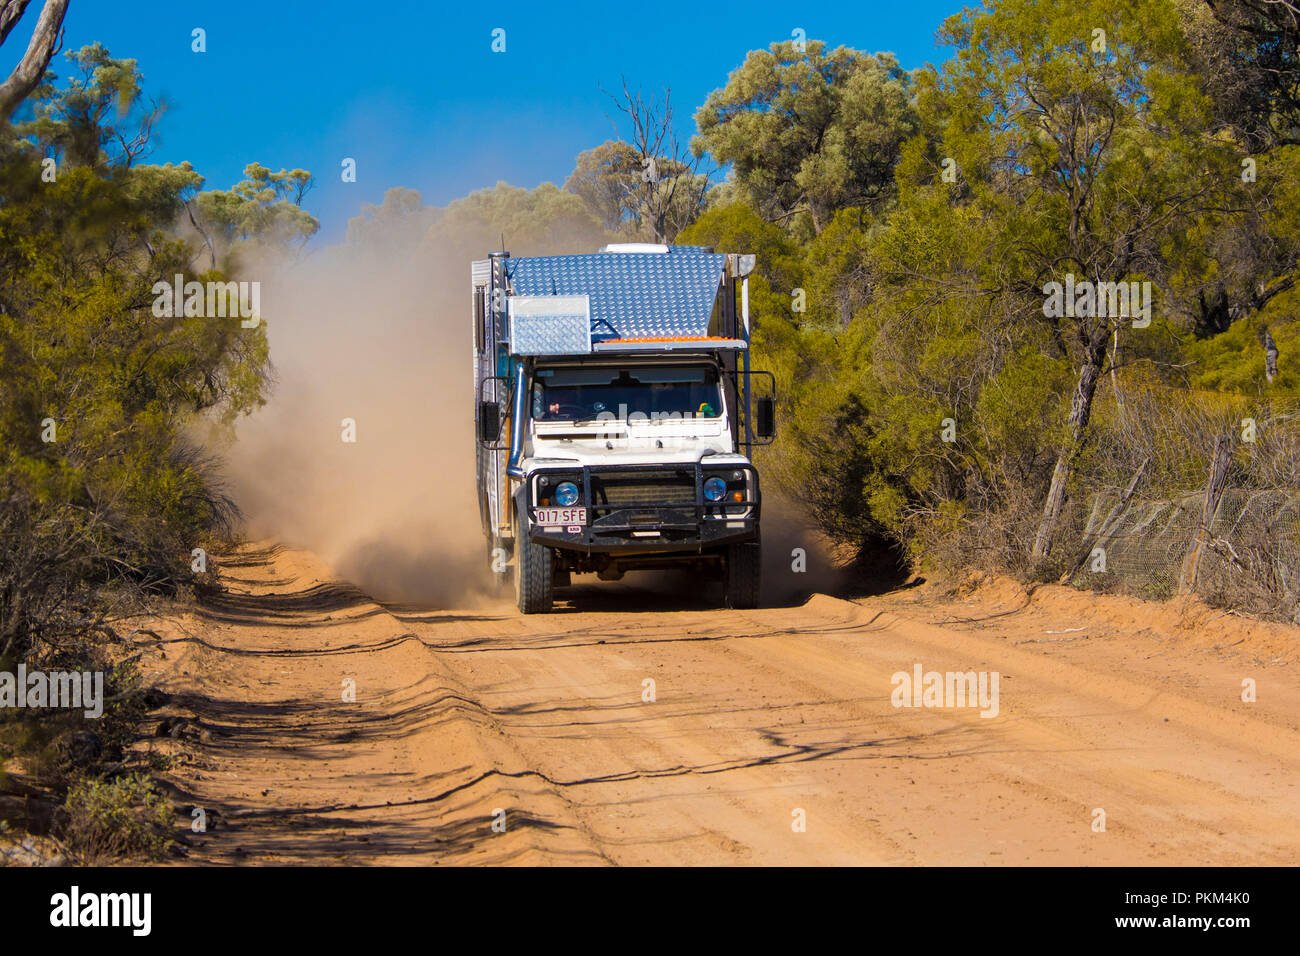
[[107, 820], [1252, 561]]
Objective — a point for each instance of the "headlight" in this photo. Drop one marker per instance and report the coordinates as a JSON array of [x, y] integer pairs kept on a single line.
[[714, 488], [566, 493]]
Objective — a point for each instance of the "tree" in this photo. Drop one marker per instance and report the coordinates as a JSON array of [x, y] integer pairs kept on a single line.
[[1249, 51], [541, 221], [99, 117], [395, 226], [97, 478], [606, 179], [46, 37], [101, 492], [261, 212], [652, 182], [808, 132], [1079, 153]]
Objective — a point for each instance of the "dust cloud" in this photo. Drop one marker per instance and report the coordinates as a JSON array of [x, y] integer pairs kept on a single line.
[[383, 340], [798, 561]]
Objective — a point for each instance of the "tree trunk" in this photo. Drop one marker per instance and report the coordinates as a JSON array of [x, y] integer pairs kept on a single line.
[[1270, 354], [1080, 413], [11, 11], [31, 68], [816, 218]]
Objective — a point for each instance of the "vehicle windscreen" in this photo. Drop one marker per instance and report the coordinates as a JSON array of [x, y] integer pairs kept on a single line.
[[595, 394]]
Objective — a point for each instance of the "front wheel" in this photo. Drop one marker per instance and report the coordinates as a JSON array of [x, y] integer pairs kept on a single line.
[[743, 575], [534, 571]]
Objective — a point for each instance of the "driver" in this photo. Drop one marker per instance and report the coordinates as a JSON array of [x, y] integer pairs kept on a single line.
[[560, 404]]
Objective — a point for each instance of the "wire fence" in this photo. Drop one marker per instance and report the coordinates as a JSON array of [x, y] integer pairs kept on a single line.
[[1248, 555], [1143, 530]]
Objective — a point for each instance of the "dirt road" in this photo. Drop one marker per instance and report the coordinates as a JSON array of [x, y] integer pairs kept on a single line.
[[482, 736]]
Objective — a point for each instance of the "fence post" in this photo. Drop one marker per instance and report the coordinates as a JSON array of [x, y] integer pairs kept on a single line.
[[1214, 488]]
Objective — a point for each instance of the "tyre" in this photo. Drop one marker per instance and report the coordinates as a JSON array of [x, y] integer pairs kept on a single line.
[[743, 575], [534, 572]]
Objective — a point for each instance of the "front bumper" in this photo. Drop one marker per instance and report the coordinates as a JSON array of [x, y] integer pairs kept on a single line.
[[689, 523]]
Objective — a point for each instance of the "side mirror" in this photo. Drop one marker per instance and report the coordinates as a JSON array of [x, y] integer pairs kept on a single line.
[[489, 422], [765, 419]]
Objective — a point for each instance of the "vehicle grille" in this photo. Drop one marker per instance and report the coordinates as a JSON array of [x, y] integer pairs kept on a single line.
[[644, 487]]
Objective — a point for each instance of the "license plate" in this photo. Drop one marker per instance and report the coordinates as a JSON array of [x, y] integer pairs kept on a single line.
[[561, 516]]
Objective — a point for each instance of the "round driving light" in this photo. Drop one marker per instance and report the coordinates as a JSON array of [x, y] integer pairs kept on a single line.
[[714, 488], [566, 493]]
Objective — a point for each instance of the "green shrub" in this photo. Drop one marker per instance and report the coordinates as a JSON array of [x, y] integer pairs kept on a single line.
[[111, 819]]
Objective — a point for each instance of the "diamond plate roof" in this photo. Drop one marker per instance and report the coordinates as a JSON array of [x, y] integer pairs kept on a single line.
[[633, 295]]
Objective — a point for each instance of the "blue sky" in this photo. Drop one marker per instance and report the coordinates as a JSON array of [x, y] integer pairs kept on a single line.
[[414, 93]]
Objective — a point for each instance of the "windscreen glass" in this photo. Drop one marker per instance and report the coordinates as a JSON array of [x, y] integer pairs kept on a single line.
[[596, 394]]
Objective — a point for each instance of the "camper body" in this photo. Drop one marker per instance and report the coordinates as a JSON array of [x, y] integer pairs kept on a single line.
[[616, 417]]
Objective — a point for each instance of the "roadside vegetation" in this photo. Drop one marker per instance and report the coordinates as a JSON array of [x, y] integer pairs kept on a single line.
[[107, 499]]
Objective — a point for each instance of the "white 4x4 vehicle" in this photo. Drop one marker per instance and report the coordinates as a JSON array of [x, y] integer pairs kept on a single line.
[[608, 452]]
